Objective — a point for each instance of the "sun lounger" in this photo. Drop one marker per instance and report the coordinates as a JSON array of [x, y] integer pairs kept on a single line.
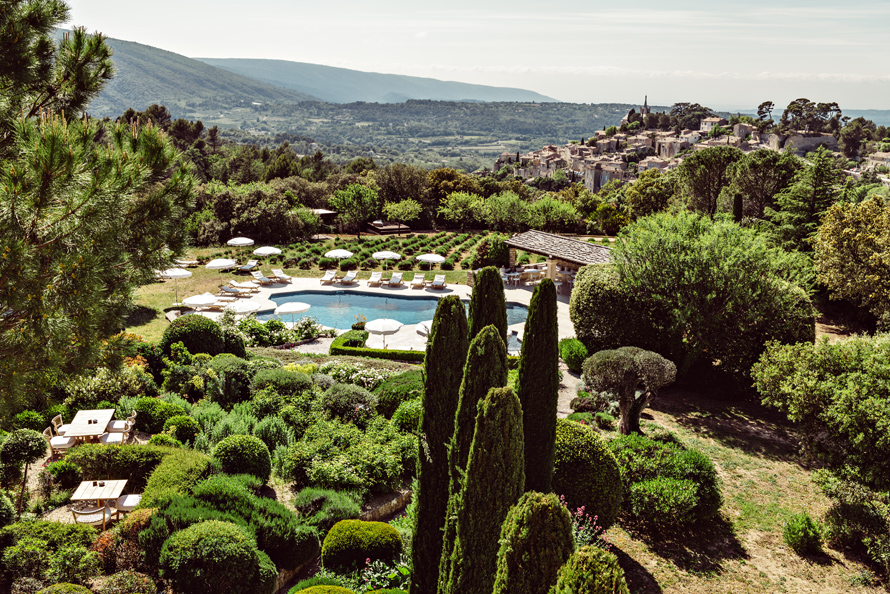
[[328, 277], [418, 281], [349, 278], [396, 279], [248, 285], [260, 278], [251, 264], [280, 275], [226, 290], [438, 282], [375, 279]]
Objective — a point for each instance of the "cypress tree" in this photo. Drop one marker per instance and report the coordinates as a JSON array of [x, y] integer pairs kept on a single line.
[[537, 386], [486, 368], [446, 353], [494, 481], [488, 305], [536, 540]]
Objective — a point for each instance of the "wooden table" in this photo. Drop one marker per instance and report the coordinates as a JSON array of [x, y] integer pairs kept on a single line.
[[87, 492], [81, 428]]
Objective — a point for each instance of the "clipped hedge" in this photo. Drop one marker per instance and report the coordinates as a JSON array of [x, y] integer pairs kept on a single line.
[[135, 463], [397, 389], [591, 570], [352, 344], [244, 454], [350, 542], [585, 472], [573, 352], [179, 472]]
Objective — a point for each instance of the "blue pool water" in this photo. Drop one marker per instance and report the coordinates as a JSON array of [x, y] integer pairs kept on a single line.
[[339, 310]]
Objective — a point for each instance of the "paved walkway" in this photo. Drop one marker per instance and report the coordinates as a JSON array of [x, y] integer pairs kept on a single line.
[[407, 337]]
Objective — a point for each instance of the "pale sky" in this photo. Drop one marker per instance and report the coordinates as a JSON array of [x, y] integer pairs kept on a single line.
[[721, 54]]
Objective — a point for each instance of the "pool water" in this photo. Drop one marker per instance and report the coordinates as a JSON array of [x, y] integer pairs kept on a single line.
[[339, 310]]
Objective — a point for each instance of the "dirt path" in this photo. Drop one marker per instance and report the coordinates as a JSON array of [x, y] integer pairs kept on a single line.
[[568, 389]]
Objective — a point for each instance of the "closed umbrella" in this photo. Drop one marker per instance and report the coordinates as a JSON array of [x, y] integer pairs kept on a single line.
[[175, 274], [244, 306], [266, 251], [431, 258], [383, 326], [338, 254], [292, 308], [385, 255], [202, 300]]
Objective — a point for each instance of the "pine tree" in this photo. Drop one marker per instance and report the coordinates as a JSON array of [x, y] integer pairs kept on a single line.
[[488, 305], [537, 386], [494, 481], [486, 368], [443, 371], [536, 540]]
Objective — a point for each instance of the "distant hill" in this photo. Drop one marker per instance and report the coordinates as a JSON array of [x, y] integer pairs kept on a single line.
[[341, 85], [146, 75]]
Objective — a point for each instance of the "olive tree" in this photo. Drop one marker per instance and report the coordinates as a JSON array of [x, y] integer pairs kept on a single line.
[[634, 375]]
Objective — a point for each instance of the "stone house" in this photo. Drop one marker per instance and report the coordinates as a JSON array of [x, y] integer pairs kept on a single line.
[[708, 123]]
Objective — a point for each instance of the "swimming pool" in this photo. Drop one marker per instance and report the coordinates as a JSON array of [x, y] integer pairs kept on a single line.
[[339, 309]]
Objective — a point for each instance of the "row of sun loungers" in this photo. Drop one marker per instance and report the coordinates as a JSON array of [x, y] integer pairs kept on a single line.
[[419, 280]]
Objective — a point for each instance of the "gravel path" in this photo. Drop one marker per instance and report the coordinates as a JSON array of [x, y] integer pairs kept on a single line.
[[568, 389]]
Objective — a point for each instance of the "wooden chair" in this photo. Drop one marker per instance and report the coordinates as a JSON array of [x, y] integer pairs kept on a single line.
[[121, 426], [127, 503], [58, 444], [119, 437], [59, 425], [96, 516]]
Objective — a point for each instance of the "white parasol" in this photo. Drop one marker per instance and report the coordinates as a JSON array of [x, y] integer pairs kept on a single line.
[[431, 258], [175, 274], [244, 306], [292, 308], [220, 264], [202, 300], [424, 328], [266, 251], [338, 254], [240, 242], [385, 255], [384, 326]]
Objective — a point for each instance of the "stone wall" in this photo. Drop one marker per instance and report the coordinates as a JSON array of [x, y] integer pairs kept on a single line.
[[804, 144]]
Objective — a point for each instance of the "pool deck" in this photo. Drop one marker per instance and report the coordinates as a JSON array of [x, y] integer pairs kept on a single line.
[[407, 337]]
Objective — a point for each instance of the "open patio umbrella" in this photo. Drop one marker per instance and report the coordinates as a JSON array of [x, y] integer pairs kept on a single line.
[[431, 258], [266, 251], [338, 254], [175, 274], [220, 264], [385, 255], [202, 300], [244, 306], [292, 308], [384, 326], [424, 328], [240, 242]]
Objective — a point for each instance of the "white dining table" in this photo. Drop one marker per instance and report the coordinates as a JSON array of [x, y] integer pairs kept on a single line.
[[101, 491], [83, 425]]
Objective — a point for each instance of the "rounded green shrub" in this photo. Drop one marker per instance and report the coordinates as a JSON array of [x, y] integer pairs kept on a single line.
[[536, 540], [244, 454], [152, 413], [325, 590], [286, 383], [66, 474], [182, 428], [604, 421], [64, 588], [215, 556], [317, 580], [273, 431], [162, 439], [29, 419], [397, 389], [803, 534], [350, 542], [387, 591], [662, 501], [7, 511], [586, 472], [573, 352], [585, 418], [591, 570], [129, 582], [343, 401], [197, 333], [407, 417], [235, 375]]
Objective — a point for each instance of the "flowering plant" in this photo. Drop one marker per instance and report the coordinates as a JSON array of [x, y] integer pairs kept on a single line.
[[379, 575], [585, 529]]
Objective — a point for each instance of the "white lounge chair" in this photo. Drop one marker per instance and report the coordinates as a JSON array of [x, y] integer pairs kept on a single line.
[[280, 275], [251, 264], [60, 426], [375, 279], [261, 278], [349, 278], [117, 438], [438, 282], [329, 277], [230, 291], [127, 503], [419, 280], [59, 443], [396, 279], [247, 285], [95, 516], [122, 426]]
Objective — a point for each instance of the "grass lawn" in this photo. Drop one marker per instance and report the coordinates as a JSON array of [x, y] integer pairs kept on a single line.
[[754, 450]]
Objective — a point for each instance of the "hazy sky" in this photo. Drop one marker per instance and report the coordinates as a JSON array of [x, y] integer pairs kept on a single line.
[[724, 55]]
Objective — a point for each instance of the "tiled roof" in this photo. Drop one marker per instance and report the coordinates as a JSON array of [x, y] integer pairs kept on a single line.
[[563, 248]]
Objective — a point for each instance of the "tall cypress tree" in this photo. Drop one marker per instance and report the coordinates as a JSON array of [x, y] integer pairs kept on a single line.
[[488, 305], [494, 481], [486, 368], [446, 354], [537, 386]]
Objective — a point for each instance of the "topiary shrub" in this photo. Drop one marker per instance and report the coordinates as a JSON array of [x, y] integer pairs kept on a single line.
[[65, 589], [286, 383], [152, 413], [397, 389], [408, 416], [182, 428], [197, 333], [244, 454], [162, 439], [349, 403], [536, 540], [179, 472], [573, 353], [803, 534], [591, 570], [7, 511], [585, 472], [129, 582], [350, 542], [215, 556], [66, 474], [318, 580], [29, 419]]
